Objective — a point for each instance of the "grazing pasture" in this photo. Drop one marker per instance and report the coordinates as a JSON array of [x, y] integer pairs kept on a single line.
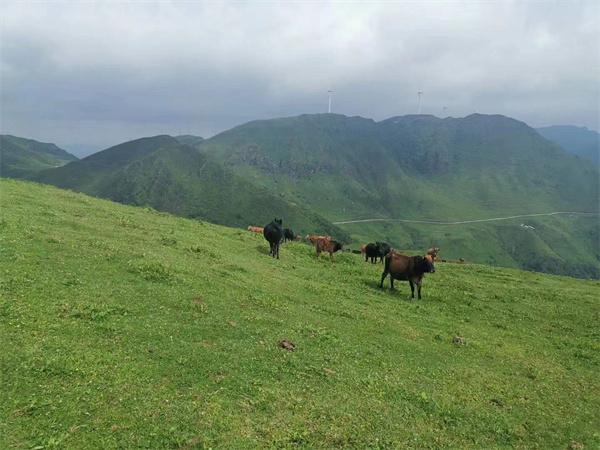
[[123, 327]]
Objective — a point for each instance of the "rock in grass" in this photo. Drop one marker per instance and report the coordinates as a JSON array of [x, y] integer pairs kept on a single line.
[[459, 340], [287, 345]]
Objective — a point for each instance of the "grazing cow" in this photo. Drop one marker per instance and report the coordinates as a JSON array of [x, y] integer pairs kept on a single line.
[[371, 251], [255, 229], [288, 235], [327, 245], [383, 248], [273, 233], [313, 238], [411, 268]]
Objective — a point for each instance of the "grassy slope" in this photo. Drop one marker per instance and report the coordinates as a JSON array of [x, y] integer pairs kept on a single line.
[[558, 244], [125, 327], [20, 157]]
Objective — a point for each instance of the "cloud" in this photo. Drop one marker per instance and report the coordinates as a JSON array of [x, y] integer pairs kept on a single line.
[[100, 73]]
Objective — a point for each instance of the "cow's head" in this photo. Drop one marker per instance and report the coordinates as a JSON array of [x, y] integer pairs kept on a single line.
[[278, 221], [336, 246], [428, 265]]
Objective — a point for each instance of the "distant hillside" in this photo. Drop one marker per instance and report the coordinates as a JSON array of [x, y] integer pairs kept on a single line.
[[423, 167], [166, 175], [579, 141], [20, 157], [189, 139], [411, 166]]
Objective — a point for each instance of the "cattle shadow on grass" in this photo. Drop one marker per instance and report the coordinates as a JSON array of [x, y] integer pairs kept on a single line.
[[263, 249], [387, 291], [374, 284]]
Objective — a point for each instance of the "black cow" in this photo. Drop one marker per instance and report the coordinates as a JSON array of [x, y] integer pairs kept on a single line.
[[288, 235], [383, 248], [273, 233], [371, 251], [411, 268]]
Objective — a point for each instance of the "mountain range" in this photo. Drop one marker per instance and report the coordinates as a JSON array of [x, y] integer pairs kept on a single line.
[[315, 170], [579, 141], [20, 157]]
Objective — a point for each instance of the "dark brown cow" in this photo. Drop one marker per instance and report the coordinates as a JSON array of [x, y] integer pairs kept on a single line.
[[411, 268], [327, 245]]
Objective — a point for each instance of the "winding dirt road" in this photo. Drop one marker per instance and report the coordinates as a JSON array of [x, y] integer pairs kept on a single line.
[[462, 222]]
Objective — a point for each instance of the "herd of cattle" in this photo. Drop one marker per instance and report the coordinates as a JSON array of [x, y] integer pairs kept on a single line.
[[397, 265]]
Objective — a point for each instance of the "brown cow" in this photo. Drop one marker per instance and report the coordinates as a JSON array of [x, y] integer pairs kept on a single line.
[[327, 245], [411, 268], [255, 229], [313, 238]]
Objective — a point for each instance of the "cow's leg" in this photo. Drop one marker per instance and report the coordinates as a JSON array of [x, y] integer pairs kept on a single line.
[[412, 289], [366, 257], [392, 282], [419, 289], [383, 275], [277, 249]]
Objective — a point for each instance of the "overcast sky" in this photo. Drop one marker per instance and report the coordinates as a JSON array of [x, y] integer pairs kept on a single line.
[[89, 75]]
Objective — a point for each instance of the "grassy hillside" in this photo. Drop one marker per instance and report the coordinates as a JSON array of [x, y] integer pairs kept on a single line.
[[579, 141], [557, 244], [423, 167], [125, 327], [166, 175], [20, 157]]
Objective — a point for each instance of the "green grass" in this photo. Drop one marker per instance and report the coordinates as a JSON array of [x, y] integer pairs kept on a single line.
[[557, 244], [123, 327]]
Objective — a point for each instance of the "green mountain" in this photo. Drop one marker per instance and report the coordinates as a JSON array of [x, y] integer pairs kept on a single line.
[[411, 166], [169, 176], [315, 170], [579, 141], [20, 157], [423, 167], [189, 139], [122, 327]]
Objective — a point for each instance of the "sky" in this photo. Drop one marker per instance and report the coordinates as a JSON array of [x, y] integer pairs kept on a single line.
[[87, 75]]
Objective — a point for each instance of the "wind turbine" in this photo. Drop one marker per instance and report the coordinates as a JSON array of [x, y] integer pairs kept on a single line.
[[419, 95], [329, 109]]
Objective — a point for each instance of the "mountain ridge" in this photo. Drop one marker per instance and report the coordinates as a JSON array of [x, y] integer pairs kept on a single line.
[[22, 157]]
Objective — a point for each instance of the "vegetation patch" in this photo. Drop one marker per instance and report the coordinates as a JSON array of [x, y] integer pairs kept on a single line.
[[152, 271]]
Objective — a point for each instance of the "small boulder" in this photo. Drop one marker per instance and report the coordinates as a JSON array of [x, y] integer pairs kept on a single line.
[[287, 345], [459, 340]]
